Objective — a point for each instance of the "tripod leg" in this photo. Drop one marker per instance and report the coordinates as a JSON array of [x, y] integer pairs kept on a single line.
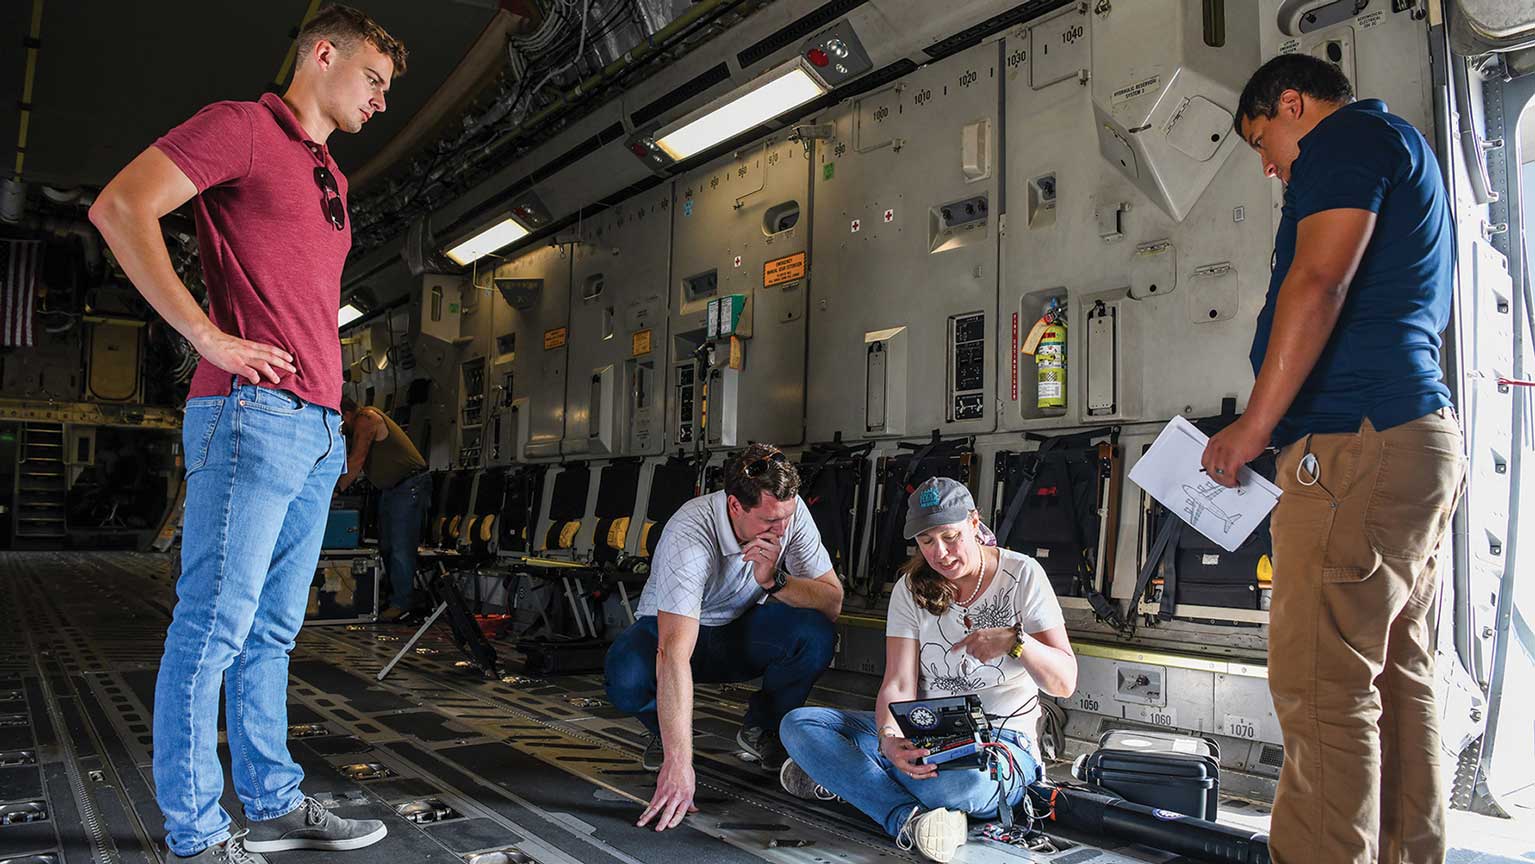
[[411, 643]]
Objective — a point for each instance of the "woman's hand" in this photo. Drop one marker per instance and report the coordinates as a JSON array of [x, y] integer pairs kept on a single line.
[[904, 755], [988, 644]]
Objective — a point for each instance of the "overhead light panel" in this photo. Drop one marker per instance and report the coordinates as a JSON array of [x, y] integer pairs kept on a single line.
[[773, 94], [349, 313], [486, 241]]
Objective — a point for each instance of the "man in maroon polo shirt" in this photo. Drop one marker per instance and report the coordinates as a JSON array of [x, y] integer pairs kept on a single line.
[[261, 434]]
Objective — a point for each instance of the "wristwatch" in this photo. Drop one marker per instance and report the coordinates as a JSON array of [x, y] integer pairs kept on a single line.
[[780, 579]]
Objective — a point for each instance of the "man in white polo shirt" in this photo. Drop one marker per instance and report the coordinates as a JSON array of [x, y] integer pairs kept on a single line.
[[705, 615]]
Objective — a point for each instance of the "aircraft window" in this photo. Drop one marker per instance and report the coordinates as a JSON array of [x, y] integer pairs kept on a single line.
[[703, 285], [436, 302], [593, 288], [780, 217]]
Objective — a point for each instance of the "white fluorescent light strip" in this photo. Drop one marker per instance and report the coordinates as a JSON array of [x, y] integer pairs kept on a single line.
[[349, 313], [503, 233], [753, 108]]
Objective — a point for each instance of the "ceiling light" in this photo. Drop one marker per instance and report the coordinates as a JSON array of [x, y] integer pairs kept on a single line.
[[773, 94], [486, 241], [349, 313]]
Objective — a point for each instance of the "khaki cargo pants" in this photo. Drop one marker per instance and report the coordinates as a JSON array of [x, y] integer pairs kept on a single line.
[[1351, 661]]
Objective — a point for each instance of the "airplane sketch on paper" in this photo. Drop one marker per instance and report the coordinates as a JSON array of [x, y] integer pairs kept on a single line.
[[1201, 501]]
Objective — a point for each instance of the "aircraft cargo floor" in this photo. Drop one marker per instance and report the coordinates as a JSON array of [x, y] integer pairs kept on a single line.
[[541, 769]]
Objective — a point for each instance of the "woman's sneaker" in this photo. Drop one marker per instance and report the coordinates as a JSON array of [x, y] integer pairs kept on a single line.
[[797, 783], [937, 834]]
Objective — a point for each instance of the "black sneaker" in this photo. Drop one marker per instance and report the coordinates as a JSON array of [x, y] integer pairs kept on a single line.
[[311, 826], [749, 739], [770, 753], [654, 755]]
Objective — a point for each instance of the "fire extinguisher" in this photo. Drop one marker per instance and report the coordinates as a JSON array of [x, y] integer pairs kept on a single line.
[[1050, 356]]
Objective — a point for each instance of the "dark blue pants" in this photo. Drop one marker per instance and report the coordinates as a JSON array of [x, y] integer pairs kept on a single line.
[[786, 646], [401, 510]]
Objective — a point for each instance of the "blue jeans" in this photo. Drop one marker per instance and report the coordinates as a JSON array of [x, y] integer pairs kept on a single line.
[[260, 466], [400, 511], [840, 750], [788, 647]]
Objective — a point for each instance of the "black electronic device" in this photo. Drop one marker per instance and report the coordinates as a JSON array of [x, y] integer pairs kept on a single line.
[[1178, 773], [951, 728]]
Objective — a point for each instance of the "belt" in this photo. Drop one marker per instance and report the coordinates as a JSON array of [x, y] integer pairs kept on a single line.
[[409, 477]]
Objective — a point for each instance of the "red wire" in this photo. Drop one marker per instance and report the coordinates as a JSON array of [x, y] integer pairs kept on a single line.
[[1516, 382]]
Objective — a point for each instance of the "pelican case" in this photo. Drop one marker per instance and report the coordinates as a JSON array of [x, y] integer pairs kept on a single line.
[[1180, 773]]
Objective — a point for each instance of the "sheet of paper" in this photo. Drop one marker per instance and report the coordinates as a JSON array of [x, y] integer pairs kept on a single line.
[[1170, 473]]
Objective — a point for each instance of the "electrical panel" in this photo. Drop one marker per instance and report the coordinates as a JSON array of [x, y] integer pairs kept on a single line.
[[967, 362], [471, 412]]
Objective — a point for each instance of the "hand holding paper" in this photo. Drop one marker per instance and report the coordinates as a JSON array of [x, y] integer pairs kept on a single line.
[[1170, 473]]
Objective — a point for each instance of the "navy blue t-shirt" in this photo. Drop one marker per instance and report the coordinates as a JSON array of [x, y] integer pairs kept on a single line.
[[1382, 361]]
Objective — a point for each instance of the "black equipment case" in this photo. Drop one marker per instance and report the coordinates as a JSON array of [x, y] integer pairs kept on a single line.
[[1180, 773]]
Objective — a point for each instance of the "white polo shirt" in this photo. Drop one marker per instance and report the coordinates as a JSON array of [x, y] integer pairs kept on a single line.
[[698, 571]]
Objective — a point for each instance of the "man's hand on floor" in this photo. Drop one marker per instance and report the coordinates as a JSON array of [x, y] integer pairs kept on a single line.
[[674, 795]]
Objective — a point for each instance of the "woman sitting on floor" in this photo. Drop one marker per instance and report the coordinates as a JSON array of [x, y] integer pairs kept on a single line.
[[966, 617]]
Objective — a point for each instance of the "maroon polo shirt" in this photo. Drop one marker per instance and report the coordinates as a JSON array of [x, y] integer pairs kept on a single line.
[[271, 258]]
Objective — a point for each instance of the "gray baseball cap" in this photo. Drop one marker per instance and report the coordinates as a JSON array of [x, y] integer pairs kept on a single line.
[[938, 501]]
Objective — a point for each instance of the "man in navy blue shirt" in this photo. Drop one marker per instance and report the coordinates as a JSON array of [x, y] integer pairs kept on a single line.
[[1349, 385]]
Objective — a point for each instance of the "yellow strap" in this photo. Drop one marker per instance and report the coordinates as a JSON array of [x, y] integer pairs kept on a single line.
[[453, 527], [1265, 570], [292, 55], [568, 534], [26, 88], [487, 529]]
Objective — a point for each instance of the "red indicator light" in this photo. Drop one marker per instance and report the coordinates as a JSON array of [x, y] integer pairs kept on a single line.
[[817, 57]]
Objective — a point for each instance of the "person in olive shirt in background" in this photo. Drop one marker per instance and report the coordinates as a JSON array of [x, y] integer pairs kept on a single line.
[[379, 448]]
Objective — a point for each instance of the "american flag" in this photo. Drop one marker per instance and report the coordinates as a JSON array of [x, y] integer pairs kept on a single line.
[[19, 260]]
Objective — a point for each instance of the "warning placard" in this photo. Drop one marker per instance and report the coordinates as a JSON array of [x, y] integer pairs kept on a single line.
[[555, 338], [781, 270], [640, 343]]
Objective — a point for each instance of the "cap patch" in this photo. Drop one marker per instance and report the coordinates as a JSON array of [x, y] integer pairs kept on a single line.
[[929, 498]]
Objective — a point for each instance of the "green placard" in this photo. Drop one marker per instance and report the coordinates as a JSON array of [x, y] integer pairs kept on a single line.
[[828, 170]]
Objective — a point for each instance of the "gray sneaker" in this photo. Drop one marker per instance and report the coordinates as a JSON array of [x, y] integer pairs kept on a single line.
[[654, 755], [796, 782], [231, 851], [311, 826]]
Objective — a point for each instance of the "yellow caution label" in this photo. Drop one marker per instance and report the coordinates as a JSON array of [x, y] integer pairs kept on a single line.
[[781, 270], [556, 338], [737, 353], [640, 343]]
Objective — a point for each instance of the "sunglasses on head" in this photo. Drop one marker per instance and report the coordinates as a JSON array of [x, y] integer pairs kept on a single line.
[[335, 211], [757, 467]]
